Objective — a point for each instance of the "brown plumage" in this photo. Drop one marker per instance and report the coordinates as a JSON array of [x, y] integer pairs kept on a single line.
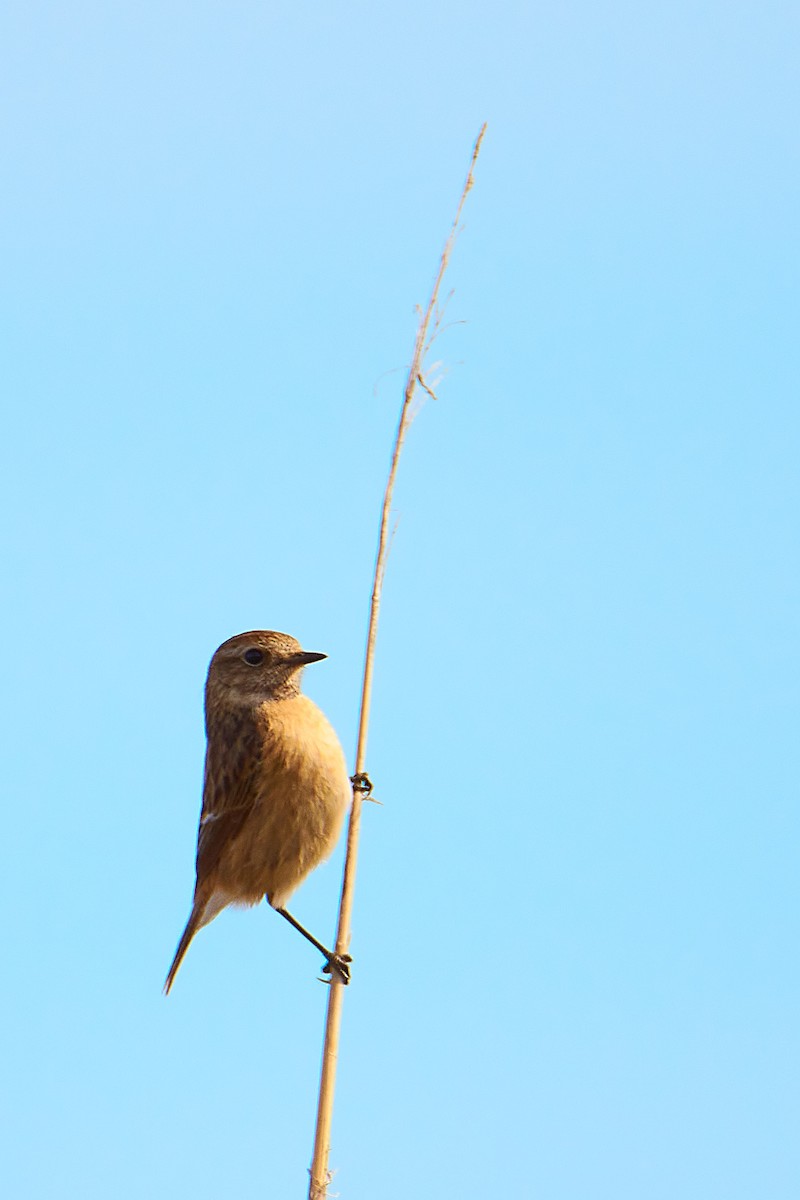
[[276, 787]]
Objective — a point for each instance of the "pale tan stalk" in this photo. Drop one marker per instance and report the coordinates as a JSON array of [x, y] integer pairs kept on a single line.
[[320, 1176]]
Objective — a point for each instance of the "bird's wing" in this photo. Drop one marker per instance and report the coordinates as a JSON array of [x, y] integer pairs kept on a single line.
[[232, 766]]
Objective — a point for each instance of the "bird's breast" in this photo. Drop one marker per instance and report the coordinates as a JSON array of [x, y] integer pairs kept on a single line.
[[300, 794], [299, 744]]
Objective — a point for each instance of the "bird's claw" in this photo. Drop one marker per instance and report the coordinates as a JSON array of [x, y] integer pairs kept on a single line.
[[340, 964], [362, 783]]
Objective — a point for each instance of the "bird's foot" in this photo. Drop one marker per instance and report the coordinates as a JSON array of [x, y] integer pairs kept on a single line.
[[362, 783], [338, 964]]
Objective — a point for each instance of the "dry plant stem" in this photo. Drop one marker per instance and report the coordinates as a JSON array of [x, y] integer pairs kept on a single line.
[[320, 1176]]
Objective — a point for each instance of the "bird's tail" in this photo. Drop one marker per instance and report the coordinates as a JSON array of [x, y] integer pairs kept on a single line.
[[192, 926]]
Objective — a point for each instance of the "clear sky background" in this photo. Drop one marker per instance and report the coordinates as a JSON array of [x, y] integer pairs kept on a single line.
[[576, 922]]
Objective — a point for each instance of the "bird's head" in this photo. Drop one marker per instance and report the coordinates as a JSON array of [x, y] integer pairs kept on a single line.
[[253, 667]]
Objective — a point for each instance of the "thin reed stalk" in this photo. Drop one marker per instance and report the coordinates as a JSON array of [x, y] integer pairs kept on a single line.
[[429, 325]]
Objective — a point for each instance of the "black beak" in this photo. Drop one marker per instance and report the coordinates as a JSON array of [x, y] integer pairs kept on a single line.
[[305, 657]]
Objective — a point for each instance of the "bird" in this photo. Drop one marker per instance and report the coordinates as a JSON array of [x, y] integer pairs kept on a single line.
[[276, 787]]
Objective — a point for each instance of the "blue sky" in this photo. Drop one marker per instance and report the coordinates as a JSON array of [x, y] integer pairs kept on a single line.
[[577, 908]]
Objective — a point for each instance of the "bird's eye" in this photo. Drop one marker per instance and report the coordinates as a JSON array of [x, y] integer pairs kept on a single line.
[[253, 657]]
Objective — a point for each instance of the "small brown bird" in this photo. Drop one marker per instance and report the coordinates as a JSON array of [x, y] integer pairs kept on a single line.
[[276, 787]]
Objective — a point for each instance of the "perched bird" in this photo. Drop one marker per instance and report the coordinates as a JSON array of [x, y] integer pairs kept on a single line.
[[276, 787]]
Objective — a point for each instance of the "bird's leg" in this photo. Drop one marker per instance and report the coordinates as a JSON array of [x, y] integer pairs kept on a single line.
[[333, 962]]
